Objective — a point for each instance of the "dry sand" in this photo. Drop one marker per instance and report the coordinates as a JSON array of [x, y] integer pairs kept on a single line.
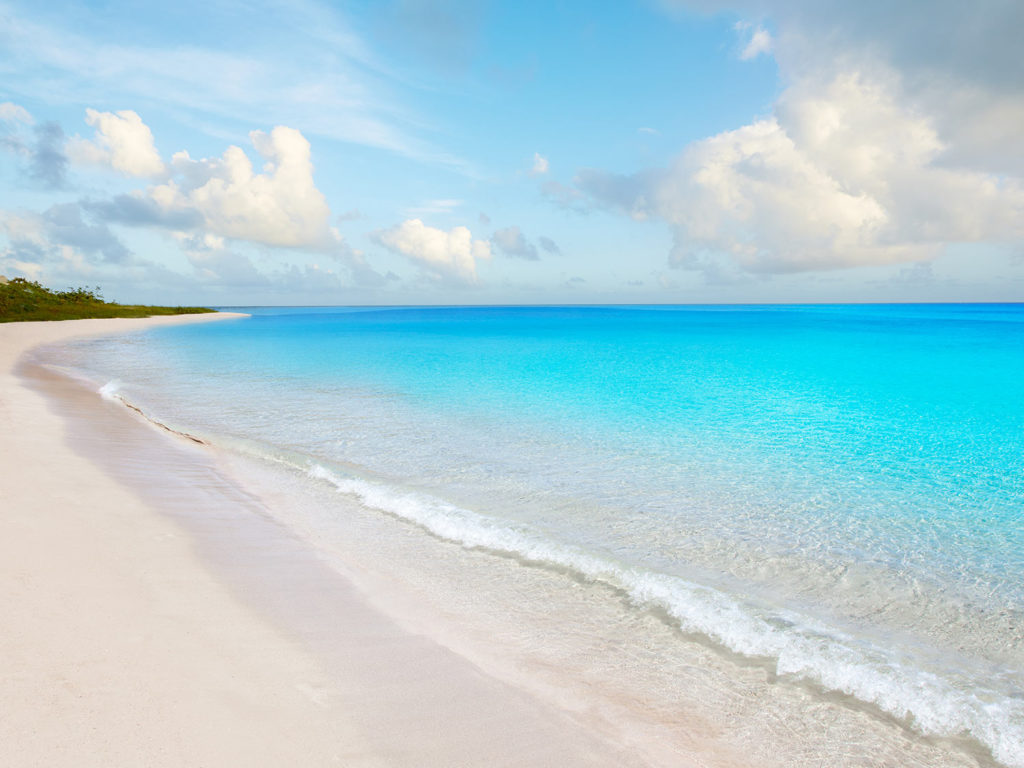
[[152, 614]]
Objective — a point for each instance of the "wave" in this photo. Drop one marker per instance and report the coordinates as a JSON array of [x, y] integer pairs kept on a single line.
[[797, 647]]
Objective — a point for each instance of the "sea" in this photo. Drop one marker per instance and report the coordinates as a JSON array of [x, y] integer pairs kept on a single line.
[[797, 528]]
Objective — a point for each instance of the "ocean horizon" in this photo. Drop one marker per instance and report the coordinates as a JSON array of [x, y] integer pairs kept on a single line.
[[825, 497]]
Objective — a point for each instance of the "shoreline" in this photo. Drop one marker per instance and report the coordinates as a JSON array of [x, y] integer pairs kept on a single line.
[[154, 615], [414, 650]]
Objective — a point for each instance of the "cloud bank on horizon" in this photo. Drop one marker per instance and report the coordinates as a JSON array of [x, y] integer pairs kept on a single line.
[[819, 151]]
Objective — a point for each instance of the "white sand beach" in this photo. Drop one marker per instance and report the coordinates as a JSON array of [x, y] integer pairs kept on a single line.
[[136, 633]]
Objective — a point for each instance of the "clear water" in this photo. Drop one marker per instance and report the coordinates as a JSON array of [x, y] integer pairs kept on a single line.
[[834, 490]]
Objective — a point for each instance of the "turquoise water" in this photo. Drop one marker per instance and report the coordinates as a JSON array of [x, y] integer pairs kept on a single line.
[[834, 489]]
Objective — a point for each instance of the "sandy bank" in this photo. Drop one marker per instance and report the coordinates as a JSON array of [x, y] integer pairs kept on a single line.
[[153, 616]]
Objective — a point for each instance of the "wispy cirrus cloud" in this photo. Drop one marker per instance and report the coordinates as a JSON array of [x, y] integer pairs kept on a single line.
[[297, 63], [441, 205]]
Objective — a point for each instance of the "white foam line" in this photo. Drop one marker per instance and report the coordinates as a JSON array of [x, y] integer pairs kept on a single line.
[[802, 651]]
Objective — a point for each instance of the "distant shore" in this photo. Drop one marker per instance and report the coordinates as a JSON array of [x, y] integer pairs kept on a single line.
[[24, 300], [136, 583]]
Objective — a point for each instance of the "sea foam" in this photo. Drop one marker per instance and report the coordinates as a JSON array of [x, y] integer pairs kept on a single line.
[[796, 646], [109, 390]]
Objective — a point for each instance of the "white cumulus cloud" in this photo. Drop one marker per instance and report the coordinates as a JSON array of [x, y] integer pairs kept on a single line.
[[121, 142], [888, 144], [540, 165], [280, 206], [843, 174], [451, 256]]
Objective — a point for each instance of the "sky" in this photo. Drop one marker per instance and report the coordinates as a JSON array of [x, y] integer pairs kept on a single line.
[[493, 152]]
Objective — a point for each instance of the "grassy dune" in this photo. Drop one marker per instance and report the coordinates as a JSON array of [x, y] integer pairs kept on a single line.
[[26, 300]]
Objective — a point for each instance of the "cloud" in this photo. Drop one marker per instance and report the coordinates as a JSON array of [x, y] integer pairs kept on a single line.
[[842, 175], [975, 43], [16, 261], [216, 263], [204, 201], [13, 119], [64, 225], [450, 256], [309, 280], [432, 207], [298, 63], [629, 193], [62, 248], [565, 197], [879, 150], [540, 165], [962, 67], [44, 153], [511, 242], [760, 41], [549, 245], [48, 164], [59, 245], [14, 113], [138, 210], [121, 142], [27, 248], [350, 215], [355, 262], [60, 231], [280, 207]]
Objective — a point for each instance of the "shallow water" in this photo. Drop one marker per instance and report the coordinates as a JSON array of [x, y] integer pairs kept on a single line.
[[831, 494]]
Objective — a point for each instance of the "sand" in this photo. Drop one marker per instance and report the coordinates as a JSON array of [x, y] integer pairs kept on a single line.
[[153, 614]]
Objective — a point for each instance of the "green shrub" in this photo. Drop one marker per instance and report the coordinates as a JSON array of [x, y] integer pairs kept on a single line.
[[22, 299]]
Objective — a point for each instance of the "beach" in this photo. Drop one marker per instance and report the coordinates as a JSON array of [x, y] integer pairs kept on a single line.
[[566, 384], [141, 630], [294, 538]]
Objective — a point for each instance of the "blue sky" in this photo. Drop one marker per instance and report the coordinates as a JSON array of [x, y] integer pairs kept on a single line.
[[407, 151]]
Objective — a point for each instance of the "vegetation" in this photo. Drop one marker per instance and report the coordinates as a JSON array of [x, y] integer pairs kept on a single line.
[[27, 300]]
